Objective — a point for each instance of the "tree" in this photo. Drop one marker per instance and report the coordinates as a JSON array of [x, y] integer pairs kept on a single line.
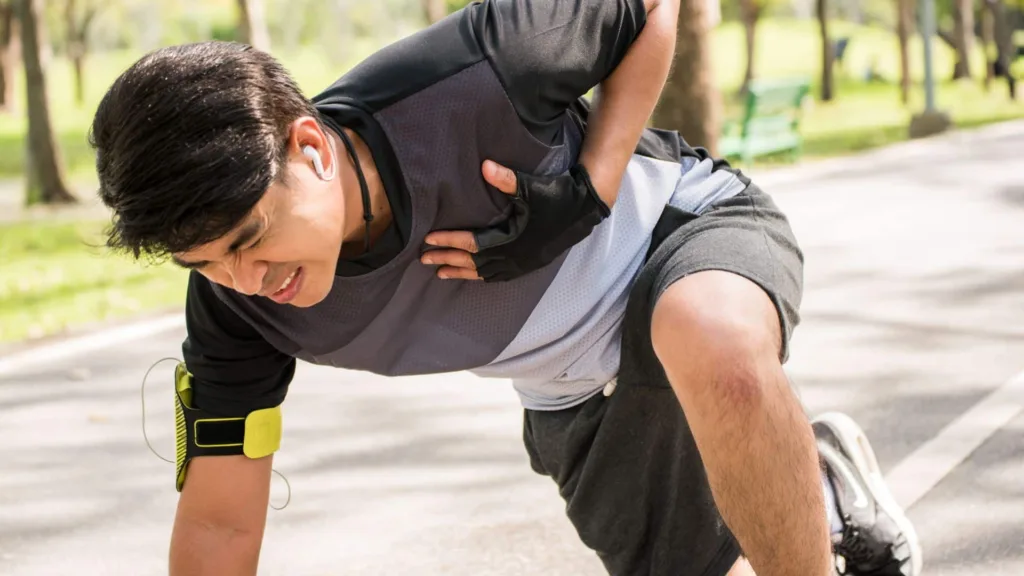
[[750, 13], [252, 24], [8, 53], [827, 54], [690, 103], [435, 10], [45, 178], [1005, 49], [963, 37], [76, 28], [988, 39], [904, 28]]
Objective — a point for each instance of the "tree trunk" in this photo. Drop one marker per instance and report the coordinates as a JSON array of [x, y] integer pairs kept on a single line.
[[45, 177], [253, 24], [904, 28], [827, 54], [988, 40], [8, 54], [75, 32], [291, 26], [946, 36], [78, 64], [690, 103], [1005, 49], [963, 37], [750, 13], [435, 10]]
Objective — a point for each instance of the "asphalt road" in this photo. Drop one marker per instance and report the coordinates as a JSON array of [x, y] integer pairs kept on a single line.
[[914, 314]]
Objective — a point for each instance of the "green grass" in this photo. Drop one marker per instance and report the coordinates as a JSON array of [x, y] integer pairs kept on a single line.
[[55, 277]]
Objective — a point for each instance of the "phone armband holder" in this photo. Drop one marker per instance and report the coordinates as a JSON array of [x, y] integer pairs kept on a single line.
[[198, 433]]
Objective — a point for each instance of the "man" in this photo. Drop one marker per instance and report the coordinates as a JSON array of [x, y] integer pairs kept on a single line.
[[639, 294]]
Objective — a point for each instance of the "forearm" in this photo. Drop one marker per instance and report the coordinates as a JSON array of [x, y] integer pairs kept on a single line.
[[222, 513], [199, 549], [627, 98]]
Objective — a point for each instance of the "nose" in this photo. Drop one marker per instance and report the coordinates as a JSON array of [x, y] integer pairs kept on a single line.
[[247, 276]]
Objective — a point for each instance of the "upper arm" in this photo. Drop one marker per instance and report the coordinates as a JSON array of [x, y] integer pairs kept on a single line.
[[548, 53], [234, 369]]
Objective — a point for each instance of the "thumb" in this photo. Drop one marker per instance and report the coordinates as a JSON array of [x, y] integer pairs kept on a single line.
[[500, 177]]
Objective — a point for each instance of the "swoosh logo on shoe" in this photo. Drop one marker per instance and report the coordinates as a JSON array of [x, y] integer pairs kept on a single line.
[[860, 497]]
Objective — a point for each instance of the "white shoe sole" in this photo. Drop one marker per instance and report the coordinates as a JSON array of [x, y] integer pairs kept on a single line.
[[855, 443]]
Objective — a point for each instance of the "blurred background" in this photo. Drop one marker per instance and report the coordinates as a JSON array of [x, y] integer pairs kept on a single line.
[[847, 75], [902, 182]]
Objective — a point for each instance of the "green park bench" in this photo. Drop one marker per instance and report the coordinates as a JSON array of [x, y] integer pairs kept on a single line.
[[770, 122]]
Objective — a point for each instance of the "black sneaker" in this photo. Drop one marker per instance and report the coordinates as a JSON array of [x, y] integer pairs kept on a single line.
[[877, 538]]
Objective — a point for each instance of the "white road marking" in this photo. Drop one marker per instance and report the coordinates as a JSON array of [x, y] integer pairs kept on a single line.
[[918, 473], [89, 343]]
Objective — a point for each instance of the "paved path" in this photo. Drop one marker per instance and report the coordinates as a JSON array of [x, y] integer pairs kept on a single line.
[[914, 315]]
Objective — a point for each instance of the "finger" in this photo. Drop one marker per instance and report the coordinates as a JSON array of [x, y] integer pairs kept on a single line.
[[457, 258], [453, 273], [460, 240], [500, 177]]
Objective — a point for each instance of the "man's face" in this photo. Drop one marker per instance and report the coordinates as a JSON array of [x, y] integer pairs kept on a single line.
[[287, 248]]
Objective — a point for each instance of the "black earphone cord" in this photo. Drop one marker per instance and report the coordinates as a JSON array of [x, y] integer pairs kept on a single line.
[[367, 212]]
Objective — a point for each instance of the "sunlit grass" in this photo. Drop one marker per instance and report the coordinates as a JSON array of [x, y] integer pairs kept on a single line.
[[54, 276]]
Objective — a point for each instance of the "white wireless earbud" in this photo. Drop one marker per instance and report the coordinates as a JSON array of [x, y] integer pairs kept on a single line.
[[314, 157]]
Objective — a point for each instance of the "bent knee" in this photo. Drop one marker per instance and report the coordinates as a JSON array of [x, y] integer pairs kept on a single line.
[[719, 312], [717, 324]]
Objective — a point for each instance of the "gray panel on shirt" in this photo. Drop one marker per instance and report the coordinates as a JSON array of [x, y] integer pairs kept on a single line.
[[400, 319]]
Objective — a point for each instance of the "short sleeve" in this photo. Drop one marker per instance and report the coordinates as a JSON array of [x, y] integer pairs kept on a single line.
[[549, 53], [235, 370]]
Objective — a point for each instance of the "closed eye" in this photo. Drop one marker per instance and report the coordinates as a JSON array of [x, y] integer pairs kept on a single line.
[[257, 243]]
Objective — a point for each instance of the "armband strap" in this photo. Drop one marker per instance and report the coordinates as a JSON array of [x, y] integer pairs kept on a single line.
[[198, 433]]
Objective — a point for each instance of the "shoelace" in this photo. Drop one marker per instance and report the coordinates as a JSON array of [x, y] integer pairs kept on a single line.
[[856, 551], [892, 568]]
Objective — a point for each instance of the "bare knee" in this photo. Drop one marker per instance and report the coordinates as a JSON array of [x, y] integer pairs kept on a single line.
[[717, 332]]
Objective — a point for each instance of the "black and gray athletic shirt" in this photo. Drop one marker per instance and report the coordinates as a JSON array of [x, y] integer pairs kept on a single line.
[[499, 80]]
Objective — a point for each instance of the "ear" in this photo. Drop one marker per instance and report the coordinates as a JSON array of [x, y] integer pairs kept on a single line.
[[306, 131]]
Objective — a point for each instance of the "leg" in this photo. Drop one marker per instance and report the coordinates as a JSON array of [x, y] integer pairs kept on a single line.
[[627, 464], [748, 236], [719, 340]]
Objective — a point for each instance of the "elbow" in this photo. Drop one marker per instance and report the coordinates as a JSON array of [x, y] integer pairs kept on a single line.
[[662, 18], [652, 5], [227, 532]]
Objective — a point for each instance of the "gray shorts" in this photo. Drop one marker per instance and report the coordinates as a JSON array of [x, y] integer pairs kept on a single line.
[[627, 465]]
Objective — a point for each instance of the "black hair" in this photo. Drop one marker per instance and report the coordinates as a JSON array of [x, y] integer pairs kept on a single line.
[[188, 140]]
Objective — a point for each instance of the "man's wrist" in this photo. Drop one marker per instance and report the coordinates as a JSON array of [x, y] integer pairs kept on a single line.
[[583, 177], [602, 182]]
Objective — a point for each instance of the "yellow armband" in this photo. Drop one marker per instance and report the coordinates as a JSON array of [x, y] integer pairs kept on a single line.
[[198, 433]]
